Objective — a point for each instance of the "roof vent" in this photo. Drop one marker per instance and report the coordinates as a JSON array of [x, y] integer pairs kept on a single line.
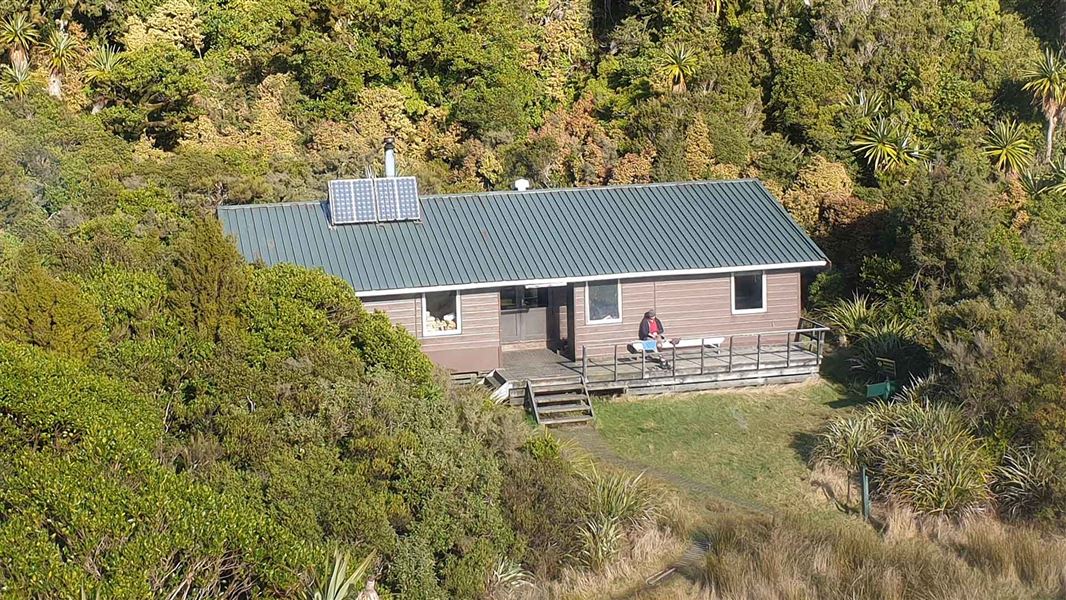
[[521, 184], [373, 200]]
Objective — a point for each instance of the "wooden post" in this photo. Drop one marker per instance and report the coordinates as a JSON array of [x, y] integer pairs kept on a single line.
[[614, 376], [788, 350], [673, 360], [703, 348], [818, 352], [643, 359], [730, 369], [758, 352], [584, 363], [865, 481]]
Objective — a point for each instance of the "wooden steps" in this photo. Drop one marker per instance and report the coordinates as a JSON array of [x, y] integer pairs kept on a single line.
[[559, 403]]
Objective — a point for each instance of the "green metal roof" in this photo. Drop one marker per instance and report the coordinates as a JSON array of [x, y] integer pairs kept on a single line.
[[489, 238]]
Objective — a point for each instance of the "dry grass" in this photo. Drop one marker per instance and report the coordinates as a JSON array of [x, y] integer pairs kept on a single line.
[[756, 558], [648, 550]]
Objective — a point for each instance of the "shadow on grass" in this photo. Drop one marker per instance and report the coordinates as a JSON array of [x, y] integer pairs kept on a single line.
[[803, 444], [836, 366], [836, 369]]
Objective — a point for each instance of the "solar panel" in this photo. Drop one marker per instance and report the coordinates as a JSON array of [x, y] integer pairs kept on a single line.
[[365, 210], [407, 191], [373, 200], [388, 201]]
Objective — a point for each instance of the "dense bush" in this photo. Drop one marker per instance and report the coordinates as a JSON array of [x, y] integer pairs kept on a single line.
[[46, 312], [89, 507], [274, 397], [922, 456]]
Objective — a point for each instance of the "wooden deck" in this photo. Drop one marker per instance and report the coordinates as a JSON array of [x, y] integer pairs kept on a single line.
[[749, 359]]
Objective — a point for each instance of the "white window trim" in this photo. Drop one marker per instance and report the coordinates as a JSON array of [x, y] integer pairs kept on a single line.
[[458, 317], [588, 319], [733, 294]]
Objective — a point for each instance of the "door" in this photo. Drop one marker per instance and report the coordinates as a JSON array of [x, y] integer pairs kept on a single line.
[[523, 314]]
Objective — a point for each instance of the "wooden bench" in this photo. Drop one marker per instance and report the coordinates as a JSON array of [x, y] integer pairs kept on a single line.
[[714, 343]]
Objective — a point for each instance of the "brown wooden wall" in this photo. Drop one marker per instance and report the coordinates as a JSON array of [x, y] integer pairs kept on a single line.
[[690, 307], [477, 348]]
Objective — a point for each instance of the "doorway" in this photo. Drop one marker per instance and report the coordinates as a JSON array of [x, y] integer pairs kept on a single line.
[[534, 317]]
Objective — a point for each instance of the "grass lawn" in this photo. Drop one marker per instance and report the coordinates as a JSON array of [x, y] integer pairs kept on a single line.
[[750, 445]]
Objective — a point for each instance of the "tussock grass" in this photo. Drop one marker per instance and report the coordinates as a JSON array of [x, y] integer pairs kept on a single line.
[[756, 557]]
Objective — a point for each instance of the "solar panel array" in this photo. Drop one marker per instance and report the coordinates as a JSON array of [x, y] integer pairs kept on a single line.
[[373, 200]]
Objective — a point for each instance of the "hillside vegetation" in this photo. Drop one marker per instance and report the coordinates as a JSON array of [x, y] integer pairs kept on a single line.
[[176, 422]]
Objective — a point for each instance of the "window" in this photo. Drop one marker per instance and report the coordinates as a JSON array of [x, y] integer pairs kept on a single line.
[[749, 293], [440, 314], [520, 297], [603, 302]]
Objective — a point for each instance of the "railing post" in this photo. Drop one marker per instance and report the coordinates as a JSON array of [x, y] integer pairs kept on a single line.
[[730, 368], [614, 374], [818, 352], [703, 348], [788, 350], [758, 352], [584, 363], [643, 360], [673, 360]]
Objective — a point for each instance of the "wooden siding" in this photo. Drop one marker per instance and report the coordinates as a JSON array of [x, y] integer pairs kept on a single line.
[[402, 310], [476, 348], [690, 307]]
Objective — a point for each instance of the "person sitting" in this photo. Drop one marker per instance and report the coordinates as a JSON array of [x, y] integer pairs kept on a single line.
[[652, 333]]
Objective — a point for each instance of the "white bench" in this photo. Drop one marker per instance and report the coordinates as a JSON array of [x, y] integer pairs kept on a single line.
[[714, 343]]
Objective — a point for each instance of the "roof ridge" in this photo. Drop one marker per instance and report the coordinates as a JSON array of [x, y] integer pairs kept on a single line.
[[593, 188], [529, 192], [270, 204]]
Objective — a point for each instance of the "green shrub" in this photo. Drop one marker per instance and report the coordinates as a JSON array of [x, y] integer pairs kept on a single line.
[[90, 507], [388, 346], [544, 500], [848, 443], [620, 497], [601, 537], [132, 302], [936, 474], [208, 279], [49, 313], [848, 317], [291, 308], [925, 457], [1025, 482]]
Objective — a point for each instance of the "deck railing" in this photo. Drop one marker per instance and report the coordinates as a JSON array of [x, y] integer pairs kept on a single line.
[[738, 352]]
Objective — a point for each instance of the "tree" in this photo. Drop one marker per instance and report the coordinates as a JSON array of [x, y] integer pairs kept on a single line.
[[1046, 80], [208, 279], [677, 63], [18, 34], [16, 80], [62, 52], [1005, 143], [877, 143], [887, 145], [102, 61], [52, 314]]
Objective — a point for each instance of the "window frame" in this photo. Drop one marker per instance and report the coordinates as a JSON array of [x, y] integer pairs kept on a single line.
[[588, 304], [458, 316], [733, 294]]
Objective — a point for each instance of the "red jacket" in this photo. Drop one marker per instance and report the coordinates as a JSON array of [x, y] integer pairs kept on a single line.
[[645, 328]]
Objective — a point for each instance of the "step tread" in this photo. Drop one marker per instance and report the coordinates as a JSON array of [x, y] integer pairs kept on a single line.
[[557, 398], [557, 385], [564, 420], [558, 408]]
